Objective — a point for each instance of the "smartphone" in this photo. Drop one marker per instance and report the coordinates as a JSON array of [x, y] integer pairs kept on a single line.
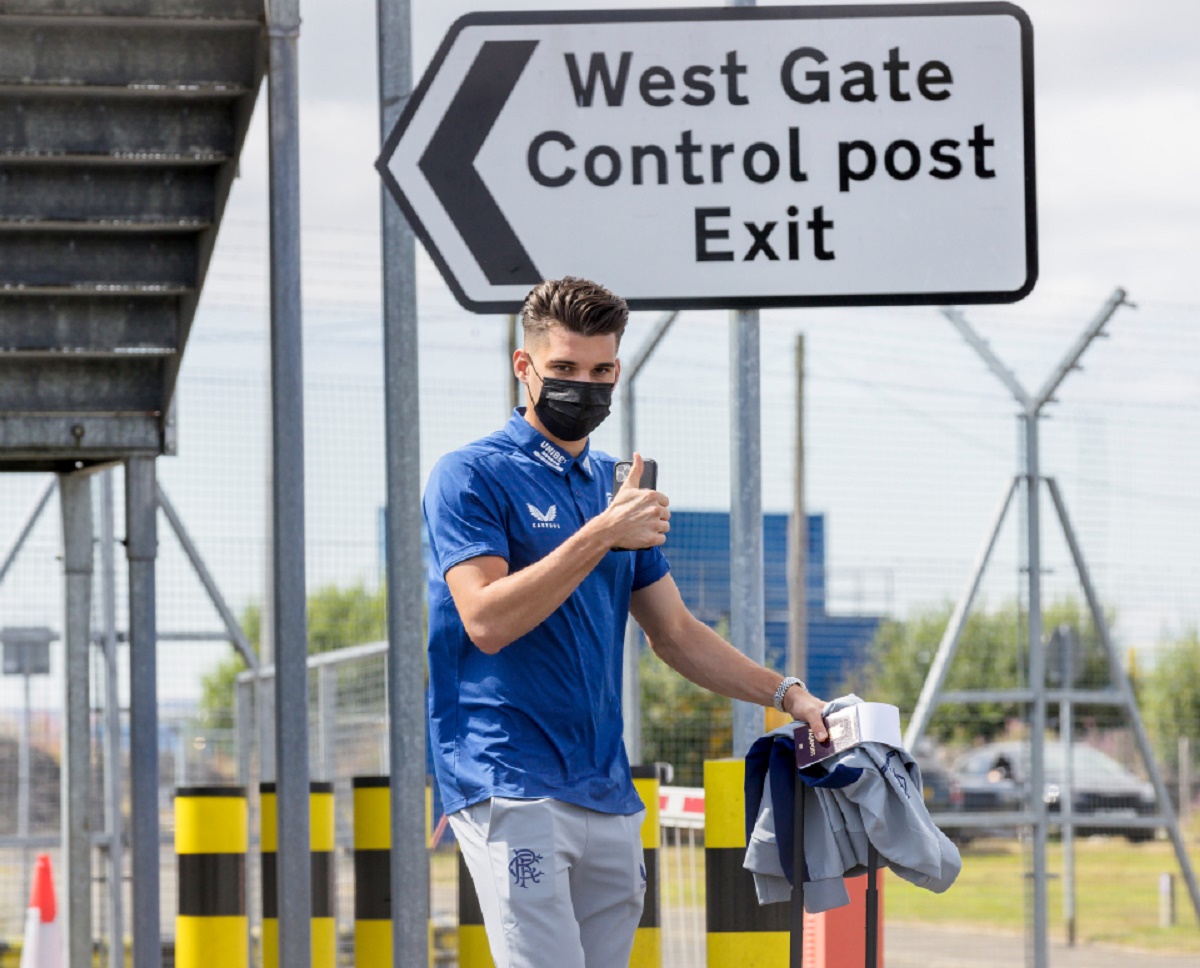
[[621, 472], [649, 474]]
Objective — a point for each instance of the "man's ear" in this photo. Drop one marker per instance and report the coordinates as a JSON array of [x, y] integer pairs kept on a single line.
[[521, 365]]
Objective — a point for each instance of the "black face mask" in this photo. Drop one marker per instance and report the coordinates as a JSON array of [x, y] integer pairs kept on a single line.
[[572, 409]]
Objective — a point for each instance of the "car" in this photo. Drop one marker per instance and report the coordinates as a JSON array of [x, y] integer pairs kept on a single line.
[[942, 794], [994, 777]]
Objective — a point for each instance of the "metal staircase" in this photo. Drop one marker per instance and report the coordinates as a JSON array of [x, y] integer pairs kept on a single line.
[[121, 122]]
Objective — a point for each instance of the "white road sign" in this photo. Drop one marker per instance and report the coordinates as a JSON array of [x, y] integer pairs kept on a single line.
[[728, 157]]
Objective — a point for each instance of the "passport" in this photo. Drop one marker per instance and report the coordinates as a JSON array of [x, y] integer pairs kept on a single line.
[[864, 722]]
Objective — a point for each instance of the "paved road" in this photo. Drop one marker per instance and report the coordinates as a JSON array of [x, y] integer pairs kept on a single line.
[[928, 946]]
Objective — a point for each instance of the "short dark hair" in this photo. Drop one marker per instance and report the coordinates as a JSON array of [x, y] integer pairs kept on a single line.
[[579, 305]]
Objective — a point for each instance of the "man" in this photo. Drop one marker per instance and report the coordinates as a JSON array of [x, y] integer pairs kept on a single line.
[[528, 599]]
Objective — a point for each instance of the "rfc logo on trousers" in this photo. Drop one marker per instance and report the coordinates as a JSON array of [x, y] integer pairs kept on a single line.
[[523, 867]]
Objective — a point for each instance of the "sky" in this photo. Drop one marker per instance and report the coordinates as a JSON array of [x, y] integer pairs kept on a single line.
[[910, 439], [1117, 101], [1115, 86]]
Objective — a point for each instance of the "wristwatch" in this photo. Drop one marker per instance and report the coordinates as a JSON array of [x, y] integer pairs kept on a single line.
[[784, 687]]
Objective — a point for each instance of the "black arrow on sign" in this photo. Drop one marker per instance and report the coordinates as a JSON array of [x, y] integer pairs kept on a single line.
[[449, 163]]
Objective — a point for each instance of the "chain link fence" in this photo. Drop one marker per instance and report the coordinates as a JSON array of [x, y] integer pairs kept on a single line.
[[909, 444]]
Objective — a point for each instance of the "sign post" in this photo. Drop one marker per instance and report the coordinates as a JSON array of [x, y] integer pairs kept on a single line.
[[738, 157]]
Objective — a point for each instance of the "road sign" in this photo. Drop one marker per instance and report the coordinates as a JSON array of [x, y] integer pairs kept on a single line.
[[728, 157], [26, 651]]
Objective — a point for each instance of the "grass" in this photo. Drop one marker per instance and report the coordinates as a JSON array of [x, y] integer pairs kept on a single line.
[[1116, 894], [1116, 891]]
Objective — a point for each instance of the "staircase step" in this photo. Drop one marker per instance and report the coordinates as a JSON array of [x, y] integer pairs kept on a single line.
[[41, 441], [101, 92], [228, 9], [125, 384], [202, 159], [112, 290], [68, 122], [56, 259], [106, 192], [116, 52], [77, 323], [118, 226]]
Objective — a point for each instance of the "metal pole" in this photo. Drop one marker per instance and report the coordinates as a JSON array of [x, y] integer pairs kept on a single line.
[[746, 591], [141, 548], [797, 563], [23, 787], [1037, 682], [75, 496], [631, 689], [936, 677], [405, 583], [1185, 778], [1125, 687], [1066, 715], [1090, 332], [746, 595], [327, 700], [112, 724], [23, 534], [514, 385], [243, 728], [631, 686], [264, 689], [294, 878]]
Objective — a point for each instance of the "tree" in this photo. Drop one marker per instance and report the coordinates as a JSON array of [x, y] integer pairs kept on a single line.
[[337, 617], [1171, 697], [682, 723], [992, 654]]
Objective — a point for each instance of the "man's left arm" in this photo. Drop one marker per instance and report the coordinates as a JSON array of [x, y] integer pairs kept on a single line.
[[697, 653]]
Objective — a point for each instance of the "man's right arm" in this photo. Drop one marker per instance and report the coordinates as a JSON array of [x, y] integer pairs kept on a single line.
[[497, 608]]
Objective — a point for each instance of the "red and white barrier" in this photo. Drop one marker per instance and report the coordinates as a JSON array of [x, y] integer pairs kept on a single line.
[[43, 938], [681, 807]]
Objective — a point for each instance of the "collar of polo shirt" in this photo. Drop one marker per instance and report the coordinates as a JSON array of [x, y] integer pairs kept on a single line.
[[544, 451]]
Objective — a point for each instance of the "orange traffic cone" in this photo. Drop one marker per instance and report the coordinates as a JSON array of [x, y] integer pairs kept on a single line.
[[43, 941]]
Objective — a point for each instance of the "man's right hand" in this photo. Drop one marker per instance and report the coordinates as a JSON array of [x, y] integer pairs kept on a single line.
[[637, 517]]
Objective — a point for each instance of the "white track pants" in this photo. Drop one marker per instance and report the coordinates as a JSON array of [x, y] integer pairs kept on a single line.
[[559, 886]]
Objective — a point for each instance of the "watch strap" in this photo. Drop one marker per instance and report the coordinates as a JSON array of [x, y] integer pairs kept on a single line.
[[784, 686]]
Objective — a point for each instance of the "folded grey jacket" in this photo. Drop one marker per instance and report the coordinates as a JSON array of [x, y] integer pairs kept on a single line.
[[869, 794]]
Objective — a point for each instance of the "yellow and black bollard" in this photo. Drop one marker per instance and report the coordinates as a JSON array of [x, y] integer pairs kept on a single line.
[[741, 934], [322, 829], [473, 950], [647, 942], [372, 872], [211, 837]]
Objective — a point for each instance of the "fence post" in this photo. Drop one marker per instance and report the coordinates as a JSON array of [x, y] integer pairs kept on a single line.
[[1185, 779], [1166, 900]]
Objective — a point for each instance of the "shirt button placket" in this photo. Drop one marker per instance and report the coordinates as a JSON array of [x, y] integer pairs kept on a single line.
[[579, 493]]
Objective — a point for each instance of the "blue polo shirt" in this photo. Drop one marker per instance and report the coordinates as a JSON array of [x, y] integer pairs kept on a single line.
[[542, 717]]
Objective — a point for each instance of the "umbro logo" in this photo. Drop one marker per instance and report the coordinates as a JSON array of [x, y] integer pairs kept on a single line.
[[544, 519]]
